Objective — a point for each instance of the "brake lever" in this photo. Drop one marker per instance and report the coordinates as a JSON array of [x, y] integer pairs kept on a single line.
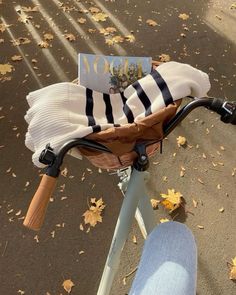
[[228, 113]]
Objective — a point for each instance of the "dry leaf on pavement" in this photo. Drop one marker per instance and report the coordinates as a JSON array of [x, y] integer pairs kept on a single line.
[[5, 68], [181, 141], [48, 37], [232, 274], [67, 285], [154, 203], [70, 37], [24, 18], [16, 58], [93, 215], [81, 20], [107, 31], [94, 9], [184, 16], [130, 38], [29, 9], [118, 39], [164, 57], [151, 23], [43, 44], [100, 17], [3, 27], [172, 200], [20, 40]]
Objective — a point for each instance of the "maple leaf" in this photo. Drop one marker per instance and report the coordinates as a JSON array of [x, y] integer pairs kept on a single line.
[[183, 16], [151, 23], [172, 200], [100, 17], [164, 57], [5, 68], [93, 215], [67, 285], [232, 274]]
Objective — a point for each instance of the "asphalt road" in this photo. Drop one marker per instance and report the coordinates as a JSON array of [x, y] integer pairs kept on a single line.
[[38, 263]]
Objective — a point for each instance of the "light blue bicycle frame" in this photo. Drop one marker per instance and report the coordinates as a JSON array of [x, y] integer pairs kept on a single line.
[[136, 204]]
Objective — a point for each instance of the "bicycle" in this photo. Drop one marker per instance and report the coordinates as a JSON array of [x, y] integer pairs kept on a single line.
[[132, 184]]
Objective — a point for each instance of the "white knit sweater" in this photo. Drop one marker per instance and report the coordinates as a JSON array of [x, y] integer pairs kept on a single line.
[[64, 111]]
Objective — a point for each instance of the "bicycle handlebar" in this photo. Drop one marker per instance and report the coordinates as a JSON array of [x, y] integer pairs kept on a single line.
[[38, 206]]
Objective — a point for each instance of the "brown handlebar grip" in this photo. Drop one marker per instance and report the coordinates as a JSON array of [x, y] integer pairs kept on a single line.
[[38, 206]]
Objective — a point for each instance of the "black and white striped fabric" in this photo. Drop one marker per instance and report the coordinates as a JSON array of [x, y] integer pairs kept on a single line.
[[65, 110]]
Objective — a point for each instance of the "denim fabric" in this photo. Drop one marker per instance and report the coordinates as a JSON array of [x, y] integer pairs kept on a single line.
[[168, 265]]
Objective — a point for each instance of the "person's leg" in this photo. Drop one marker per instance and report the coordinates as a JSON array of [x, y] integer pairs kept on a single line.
[[168, 265]]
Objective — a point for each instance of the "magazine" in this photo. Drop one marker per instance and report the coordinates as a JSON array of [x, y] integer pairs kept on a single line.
[[111, 74]]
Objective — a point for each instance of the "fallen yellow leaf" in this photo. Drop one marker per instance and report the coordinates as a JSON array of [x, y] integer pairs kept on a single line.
[[151, 23], [94, 9], [43, 44], [48, 37], [81, 20], [164, 57], [134, 239], [184, 16], [154, 203], [232, 274], [93, 215], [118, 39], [100, 17], [29, 9], [67, 285], [107, 31], [181, 141], [3, 27], [70, 37], [130, 38], [24, 19], [195, 203], [5, 68], [172, 200], [16, 58]]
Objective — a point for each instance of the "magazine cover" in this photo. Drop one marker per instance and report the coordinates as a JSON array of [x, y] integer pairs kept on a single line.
[[111, 74]]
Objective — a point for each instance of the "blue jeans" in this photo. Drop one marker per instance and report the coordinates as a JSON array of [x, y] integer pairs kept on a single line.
[[168, 264]]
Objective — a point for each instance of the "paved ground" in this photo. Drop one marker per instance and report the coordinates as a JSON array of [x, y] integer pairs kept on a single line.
[[38, 263]]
